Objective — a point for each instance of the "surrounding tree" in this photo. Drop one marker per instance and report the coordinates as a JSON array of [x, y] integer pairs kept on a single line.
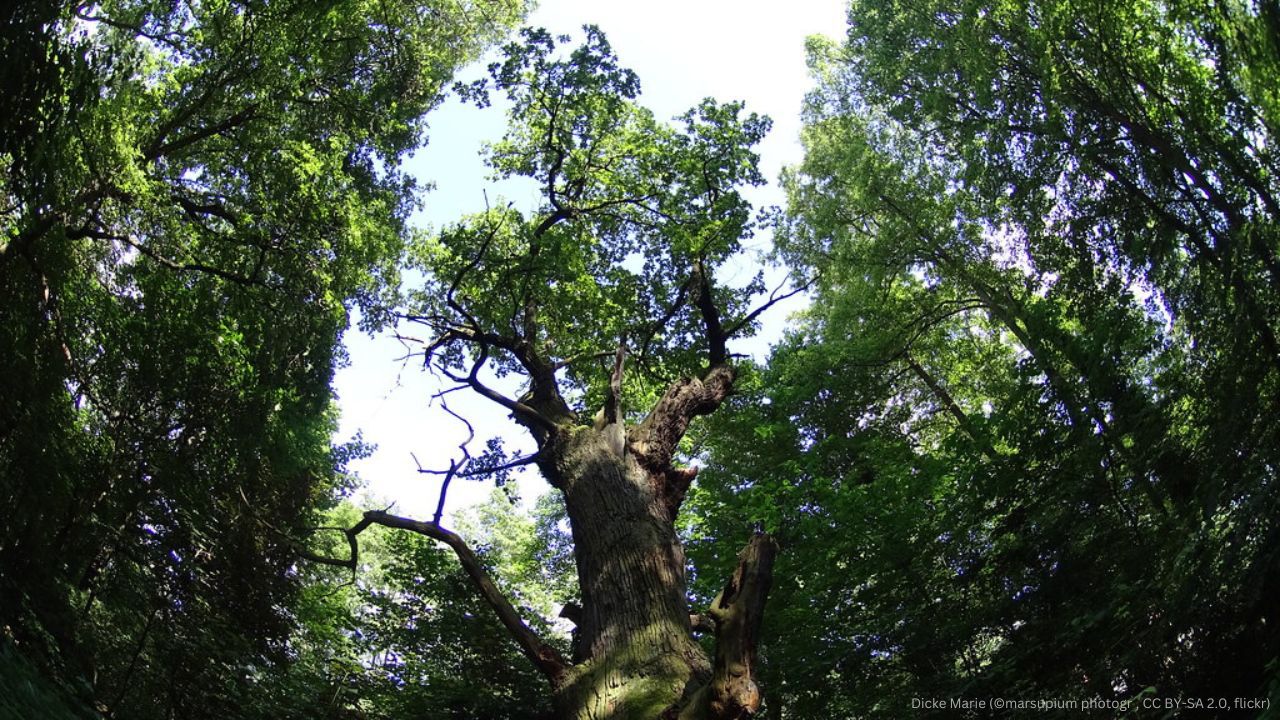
[[402, 636], [194, 195], [1024, 444]]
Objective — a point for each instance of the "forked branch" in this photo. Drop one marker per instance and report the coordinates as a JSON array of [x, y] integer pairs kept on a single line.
[[656, 438], [775, 297], [523, 413]]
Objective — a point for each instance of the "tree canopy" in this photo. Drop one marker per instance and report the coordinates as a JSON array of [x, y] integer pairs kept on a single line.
[[1022, 443], [1027, 418], [195, 195], [636, 217]]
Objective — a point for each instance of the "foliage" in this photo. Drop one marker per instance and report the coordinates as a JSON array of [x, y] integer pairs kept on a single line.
[[436, 638], [531, 552], [195, 195], [632, 210], [25, 692], [1023, 445], [407, 636]]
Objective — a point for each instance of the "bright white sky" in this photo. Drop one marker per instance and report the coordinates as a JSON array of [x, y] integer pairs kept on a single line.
[[683, 51]]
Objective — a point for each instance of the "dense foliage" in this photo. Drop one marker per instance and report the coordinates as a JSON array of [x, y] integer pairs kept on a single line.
[[1022, 444], [406, 637], [635, 215], [194, 195], [1025, 443]]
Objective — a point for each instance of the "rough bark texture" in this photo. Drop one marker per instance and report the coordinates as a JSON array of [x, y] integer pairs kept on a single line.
[[636, 654], [737, 613], [636, 657]]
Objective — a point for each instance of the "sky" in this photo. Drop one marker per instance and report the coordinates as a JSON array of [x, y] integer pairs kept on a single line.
[[683, 51]]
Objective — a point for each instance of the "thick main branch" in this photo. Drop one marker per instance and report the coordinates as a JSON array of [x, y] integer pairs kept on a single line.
[[717, 338], [737, 612], [655, 439]]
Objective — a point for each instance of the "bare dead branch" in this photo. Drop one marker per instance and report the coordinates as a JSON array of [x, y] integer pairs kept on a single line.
[[462, 467], [444, 491], [454, 465], [546, 658], [540, 372], [523, 413], [483, 471], [737, 612], [471, 431]]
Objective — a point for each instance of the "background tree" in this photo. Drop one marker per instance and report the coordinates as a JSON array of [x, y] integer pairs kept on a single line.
[[194, 195], [403, 636], [1024, 444]]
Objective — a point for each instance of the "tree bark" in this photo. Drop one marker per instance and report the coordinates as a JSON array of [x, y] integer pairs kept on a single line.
[[636, 655], [736, 613], [636, 658]]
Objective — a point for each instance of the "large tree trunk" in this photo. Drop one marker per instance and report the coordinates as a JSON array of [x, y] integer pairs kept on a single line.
[[636, 655]]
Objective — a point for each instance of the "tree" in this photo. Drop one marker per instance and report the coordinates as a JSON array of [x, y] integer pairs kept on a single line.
[[616, 270], [194, 197], [1016, 417]]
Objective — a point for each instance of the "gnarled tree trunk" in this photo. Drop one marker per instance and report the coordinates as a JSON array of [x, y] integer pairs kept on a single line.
[[543, 296], [636, 657], [636, 654]]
